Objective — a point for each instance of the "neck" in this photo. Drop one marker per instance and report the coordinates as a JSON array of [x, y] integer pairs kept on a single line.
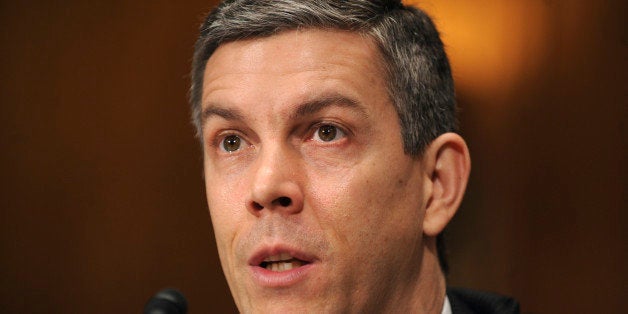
[[424, 294]]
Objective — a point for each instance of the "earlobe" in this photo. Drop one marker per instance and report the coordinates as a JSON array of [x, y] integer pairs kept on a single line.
[[447, 165]]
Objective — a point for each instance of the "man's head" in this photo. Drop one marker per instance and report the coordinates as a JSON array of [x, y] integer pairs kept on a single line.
[[328, 163]]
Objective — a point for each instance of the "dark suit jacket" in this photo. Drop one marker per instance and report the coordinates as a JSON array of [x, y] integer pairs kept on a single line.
[[465, 301]]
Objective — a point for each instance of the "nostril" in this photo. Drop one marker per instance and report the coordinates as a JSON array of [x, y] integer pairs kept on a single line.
[[284, 201], [257, 206]]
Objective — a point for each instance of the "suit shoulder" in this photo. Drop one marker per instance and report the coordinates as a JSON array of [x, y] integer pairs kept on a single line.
[[467, 301]]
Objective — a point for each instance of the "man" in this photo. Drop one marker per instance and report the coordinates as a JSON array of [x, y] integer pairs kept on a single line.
[[330, 158]]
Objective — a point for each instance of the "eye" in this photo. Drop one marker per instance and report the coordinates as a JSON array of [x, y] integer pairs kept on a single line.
[[231, 143], [328, 133]]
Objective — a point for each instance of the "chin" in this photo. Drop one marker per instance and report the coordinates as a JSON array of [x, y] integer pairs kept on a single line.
[[283, 305]]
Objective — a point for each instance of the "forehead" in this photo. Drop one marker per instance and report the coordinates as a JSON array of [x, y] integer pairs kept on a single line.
[[299, 58]]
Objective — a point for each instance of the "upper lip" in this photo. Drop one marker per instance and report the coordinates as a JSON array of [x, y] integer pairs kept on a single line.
[[279, 250]]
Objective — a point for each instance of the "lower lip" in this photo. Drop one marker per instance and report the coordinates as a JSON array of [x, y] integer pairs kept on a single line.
[[275, 279]]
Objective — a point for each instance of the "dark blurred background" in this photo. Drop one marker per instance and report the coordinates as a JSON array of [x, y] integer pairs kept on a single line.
[[101, 195]]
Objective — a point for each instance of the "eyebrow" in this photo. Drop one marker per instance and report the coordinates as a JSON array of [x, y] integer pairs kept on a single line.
[[317, 104], [304, 109], [225, 113]]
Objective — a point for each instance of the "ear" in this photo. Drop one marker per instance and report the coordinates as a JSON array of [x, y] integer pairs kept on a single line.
[[447, 165]]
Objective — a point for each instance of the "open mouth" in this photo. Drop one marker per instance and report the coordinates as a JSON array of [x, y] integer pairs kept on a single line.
[[281, 262]]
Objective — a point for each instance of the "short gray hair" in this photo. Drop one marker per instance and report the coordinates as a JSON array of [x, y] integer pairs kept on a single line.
[[419, 78]]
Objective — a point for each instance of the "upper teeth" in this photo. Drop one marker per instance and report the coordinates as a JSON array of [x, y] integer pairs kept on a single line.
[[278, 257]]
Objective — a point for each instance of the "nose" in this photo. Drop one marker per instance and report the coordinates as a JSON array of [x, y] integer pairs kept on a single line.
[[275, 183]]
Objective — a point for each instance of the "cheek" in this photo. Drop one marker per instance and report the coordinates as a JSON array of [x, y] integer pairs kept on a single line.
[[225, 200], [370, 204]]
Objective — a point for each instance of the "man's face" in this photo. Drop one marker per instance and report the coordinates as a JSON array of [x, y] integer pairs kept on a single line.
[[314, 204]]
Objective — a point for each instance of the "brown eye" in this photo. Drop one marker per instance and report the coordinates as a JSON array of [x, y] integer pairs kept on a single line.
[[231, 143], [328, 133]]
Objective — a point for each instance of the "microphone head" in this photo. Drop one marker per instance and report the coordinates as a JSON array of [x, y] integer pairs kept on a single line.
[[167, 301]]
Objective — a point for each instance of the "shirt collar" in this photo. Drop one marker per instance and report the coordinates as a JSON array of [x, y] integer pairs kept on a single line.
[[446, 306]]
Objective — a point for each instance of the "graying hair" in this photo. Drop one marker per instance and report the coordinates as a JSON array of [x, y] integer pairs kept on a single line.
[[419, 78]]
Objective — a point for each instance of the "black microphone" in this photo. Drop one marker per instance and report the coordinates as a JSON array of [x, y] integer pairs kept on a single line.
[[167, 301]]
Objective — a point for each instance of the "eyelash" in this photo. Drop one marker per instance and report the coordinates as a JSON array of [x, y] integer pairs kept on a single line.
[[218, 141], [317, 126]]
